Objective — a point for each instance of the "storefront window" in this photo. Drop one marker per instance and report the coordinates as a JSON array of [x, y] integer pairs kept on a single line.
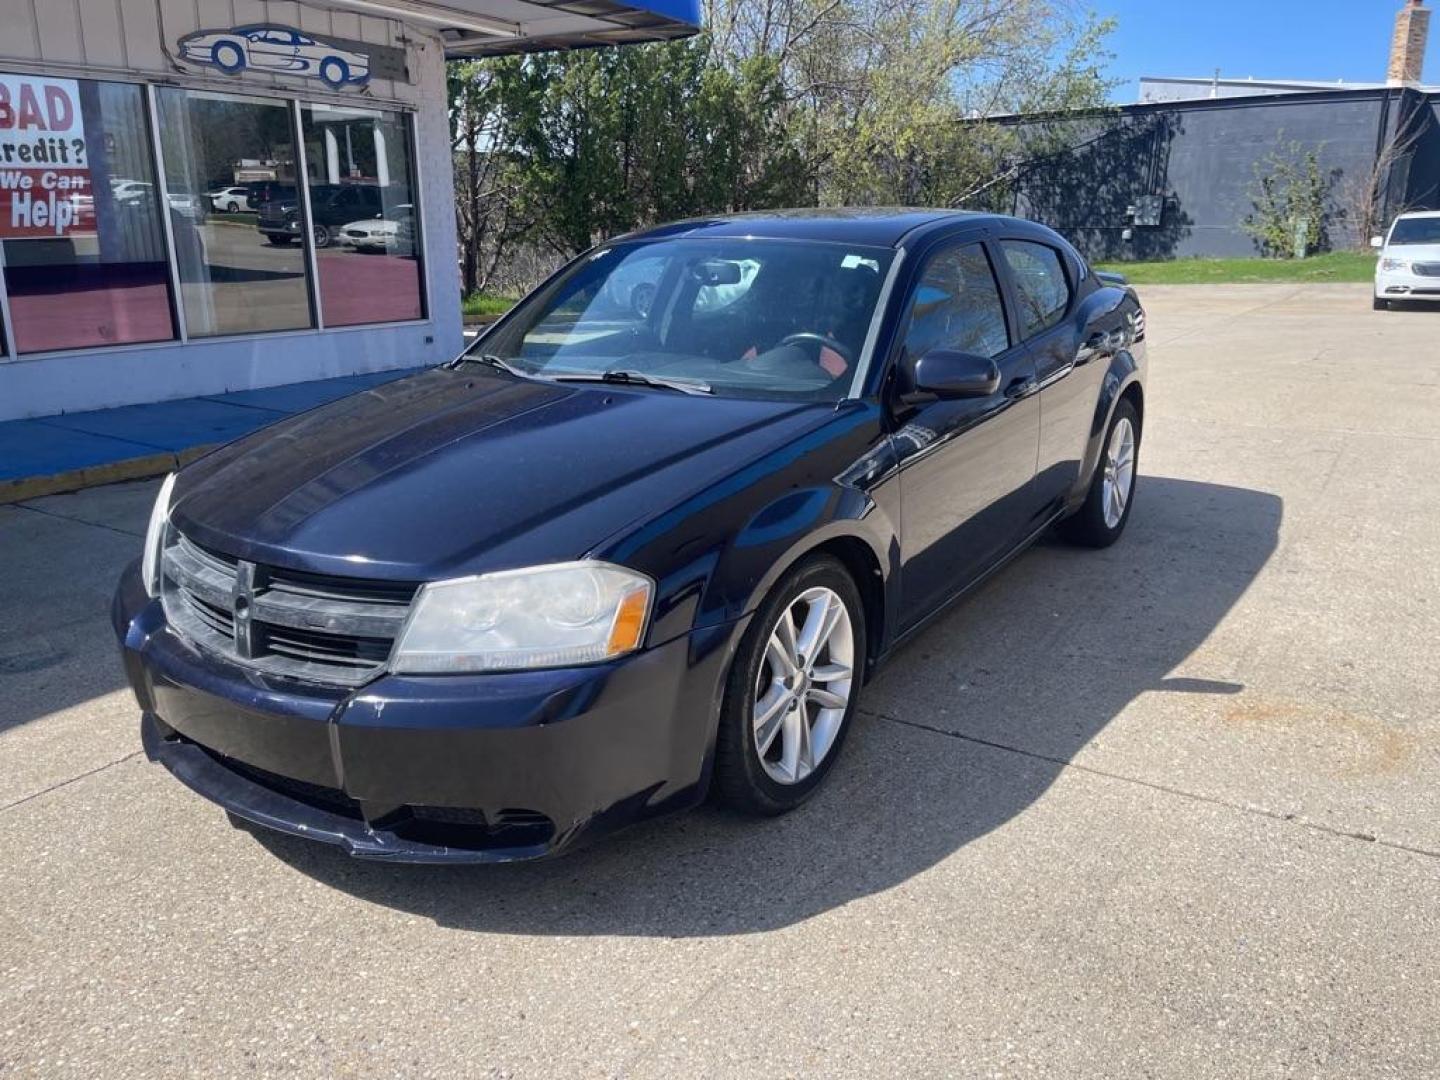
[[239, 272], [80, 230], [363, 216]]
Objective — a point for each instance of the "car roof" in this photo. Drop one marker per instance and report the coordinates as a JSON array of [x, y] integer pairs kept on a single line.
[[1418, 214], [872, 226]]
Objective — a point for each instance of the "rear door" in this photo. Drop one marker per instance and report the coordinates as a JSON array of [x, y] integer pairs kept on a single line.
[[1043, 286], [966, 466]]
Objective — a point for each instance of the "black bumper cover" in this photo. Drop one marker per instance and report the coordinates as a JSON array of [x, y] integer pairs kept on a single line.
[[470, 769]]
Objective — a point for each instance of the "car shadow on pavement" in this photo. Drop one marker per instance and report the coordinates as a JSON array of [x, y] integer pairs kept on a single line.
[[962, 731]]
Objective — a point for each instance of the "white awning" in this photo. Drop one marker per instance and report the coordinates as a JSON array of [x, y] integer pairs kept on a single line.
[[497, 27]]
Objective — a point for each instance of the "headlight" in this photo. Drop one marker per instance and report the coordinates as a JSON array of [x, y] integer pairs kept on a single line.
[[543, 616], [1394, 264], [155, 537]]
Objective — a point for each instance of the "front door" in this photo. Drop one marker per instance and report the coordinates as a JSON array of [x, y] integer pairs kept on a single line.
[[966, 466]]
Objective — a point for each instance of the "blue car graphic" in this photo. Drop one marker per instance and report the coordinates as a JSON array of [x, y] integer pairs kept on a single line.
[[279, 50]]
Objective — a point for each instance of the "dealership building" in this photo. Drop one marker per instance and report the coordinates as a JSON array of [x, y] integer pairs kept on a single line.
[[202, 196]]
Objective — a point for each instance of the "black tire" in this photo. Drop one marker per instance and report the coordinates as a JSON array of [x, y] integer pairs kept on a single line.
[[741, 782], [323, 236], [232, 207], [1087, 526], [1381, 305], [280, 241]]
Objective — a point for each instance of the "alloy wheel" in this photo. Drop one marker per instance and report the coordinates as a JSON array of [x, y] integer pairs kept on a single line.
[[1119, 472], [803, 690]]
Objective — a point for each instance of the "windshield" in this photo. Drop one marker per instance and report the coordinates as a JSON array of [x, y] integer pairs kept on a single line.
[[742, 317], [1416, 231]]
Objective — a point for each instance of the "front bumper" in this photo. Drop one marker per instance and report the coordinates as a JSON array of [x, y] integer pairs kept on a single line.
[[1405, 285], [464, 768]]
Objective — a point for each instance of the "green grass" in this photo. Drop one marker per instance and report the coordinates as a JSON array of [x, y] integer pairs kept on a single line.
[[1343, 266], [486, 305]]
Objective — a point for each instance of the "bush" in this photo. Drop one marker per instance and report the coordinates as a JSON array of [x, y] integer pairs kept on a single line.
[[1291, 200]]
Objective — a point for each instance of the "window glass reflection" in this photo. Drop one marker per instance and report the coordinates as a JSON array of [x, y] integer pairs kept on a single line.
[[244, 271], [361, 192], [84, 250]]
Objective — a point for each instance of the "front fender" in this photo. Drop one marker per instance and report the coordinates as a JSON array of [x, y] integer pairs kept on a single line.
[[715, 554], [787, 530]]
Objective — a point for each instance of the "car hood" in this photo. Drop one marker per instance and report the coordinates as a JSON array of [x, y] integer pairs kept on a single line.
[[460, 471], [1414, 252]]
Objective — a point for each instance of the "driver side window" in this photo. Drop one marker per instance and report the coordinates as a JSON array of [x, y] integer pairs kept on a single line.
[[957, 305]]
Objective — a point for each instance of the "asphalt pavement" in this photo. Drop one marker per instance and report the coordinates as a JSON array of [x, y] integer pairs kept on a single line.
[[1165, 810]]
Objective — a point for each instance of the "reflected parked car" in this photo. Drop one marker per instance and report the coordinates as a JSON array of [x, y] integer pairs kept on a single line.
[[187, 203], [1409, 264], [374, 234], [259, 192], [124, 191], [140, 192], [332, 207], [599, 566], [230, 200], [277, 49], [403, 242]]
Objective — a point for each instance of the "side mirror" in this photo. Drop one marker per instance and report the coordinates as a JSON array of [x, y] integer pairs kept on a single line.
[[946, 373], [1377, 241]]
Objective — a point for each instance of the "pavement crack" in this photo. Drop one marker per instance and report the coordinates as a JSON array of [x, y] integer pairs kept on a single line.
[[67, 782], [77, 521], [1167, 789]]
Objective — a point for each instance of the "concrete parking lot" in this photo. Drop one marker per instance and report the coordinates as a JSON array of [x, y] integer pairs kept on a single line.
[[1171, 809]]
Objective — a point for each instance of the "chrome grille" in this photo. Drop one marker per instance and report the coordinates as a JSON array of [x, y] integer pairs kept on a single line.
[[284, 622], [1426, 269]]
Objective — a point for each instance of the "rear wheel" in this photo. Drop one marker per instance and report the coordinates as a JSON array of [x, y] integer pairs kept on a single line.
[[1102, 517], [335, 71], [792, 690]]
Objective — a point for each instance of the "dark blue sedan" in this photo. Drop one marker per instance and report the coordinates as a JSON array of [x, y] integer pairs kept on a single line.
[[636, 545]]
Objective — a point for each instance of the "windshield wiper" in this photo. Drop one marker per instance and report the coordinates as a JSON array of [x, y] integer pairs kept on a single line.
[[636, 378], [500, 362]]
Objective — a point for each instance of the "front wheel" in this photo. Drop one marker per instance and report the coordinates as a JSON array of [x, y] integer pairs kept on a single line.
[[227, 56], [1102, 516], [322, 236], [792, 690], [232, 207], [1381, 304]]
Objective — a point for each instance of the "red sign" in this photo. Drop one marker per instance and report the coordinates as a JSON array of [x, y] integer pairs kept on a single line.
[[44, 161]]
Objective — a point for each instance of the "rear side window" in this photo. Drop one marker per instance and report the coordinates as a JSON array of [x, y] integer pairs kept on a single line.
[[957, 306], [1041, 289]]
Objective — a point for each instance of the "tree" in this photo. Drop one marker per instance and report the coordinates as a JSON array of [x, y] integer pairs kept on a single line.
[[1365, 198], [778, 102], [873, 88]]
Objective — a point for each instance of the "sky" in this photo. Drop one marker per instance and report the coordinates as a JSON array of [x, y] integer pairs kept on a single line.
[[1274, 39]]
